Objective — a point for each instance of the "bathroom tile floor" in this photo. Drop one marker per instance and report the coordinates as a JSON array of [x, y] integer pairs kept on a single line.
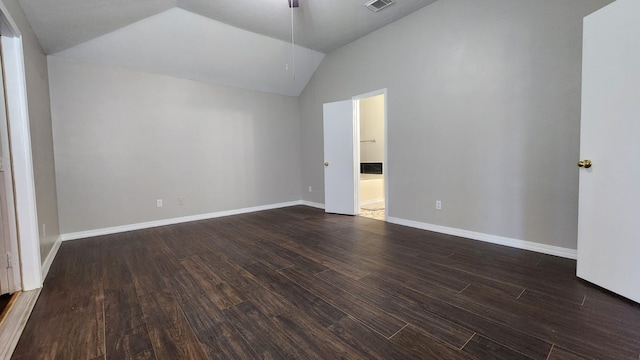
[[373, 210]]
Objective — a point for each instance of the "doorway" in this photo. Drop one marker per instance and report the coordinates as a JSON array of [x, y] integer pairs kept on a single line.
[[17, 160], [342, 161], [370, 116], [24, 258], [9, 274]]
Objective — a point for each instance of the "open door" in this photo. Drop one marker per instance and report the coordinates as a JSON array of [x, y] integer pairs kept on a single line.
[[609, 210], [340, 186]]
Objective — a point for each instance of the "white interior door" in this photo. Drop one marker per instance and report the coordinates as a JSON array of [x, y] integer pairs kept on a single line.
[[609, 210], [340, 190]]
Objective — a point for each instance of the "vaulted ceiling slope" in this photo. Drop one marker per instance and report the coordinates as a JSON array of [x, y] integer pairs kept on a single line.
[[321, 25], [180, 43], [242, 43]]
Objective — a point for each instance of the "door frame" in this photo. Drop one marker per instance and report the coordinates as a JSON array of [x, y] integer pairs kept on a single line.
[[385, 166], [27, 243]]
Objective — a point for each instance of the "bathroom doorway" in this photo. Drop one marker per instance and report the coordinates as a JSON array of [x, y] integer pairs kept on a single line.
[[371, 120]]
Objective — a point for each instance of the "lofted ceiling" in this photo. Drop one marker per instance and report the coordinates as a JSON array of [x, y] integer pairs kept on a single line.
[[237, 42], [215, 53]]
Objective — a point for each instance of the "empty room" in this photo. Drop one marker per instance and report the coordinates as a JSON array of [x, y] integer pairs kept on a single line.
[[320, 179]]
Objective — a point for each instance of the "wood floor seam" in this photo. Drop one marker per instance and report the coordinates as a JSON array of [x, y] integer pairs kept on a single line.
[[465, 288], [355, 294], [318, 273], [286, 267], [550, 351], [396, 333], [344, 310], [467, 272], [469, 339]]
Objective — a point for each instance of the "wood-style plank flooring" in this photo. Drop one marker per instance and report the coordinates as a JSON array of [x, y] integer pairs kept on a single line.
[[4, 302], [296, 283]]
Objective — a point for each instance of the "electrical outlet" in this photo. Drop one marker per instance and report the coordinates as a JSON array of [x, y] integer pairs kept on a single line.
[[159, 203], [310, 189], [438, 205], [181, 200]]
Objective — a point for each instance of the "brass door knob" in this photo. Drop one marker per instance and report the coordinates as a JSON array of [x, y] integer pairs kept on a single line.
[[584, 164], [326, 164]]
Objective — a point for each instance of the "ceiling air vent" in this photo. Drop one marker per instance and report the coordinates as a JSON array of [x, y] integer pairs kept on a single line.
[[377, 5]]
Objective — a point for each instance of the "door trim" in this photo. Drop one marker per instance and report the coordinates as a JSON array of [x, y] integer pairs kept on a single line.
[[22, 161]]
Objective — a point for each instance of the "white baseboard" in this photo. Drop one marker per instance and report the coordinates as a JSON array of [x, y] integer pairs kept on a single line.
[[172, 221], [46, 265], [16, 318], [494, 239], [312, 204]]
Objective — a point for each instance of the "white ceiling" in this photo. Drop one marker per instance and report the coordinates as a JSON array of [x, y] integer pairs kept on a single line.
[[321, 25], [243, 43], [182, 44]]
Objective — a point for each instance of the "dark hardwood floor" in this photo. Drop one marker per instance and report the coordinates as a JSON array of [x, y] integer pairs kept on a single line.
[[297, 283], [4, 302]]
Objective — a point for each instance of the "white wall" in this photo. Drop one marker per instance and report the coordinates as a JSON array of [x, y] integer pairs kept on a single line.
[[40, 130], [372, 127], [125, 138], [484, 114]]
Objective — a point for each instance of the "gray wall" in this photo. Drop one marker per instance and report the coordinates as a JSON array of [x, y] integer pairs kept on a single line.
[[125, 138], [40, 125], [484, 114]]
